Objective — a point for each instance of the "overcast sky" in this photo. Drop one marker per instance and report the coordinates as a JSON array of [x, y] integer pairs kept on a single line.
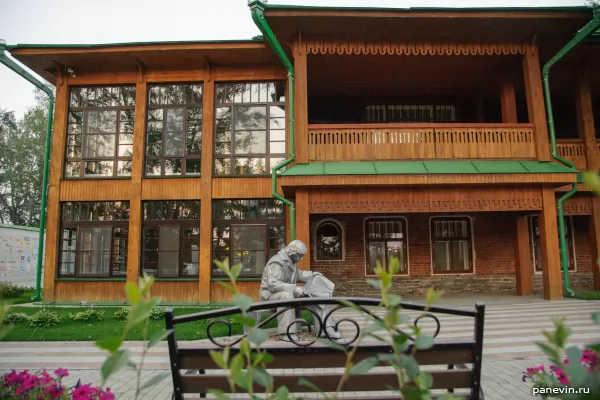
[[117, 21]]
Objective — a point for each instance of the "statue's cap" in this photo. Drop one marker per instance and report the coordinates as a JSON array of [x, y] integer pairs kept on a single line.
[[299, 246]]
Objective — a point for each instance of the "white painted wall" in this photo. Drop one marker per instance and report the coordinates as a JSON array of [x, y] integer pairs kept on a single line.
[[18, 254]]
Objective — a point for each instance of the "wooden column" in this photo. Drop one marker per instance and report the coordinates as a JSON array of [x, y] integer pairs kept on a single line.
[[587, 132], [59, 132], [208, 119], [523, 267], [549, 245], [300, 102], [535, 102], [508, 101], [134, 250], [303, 225]]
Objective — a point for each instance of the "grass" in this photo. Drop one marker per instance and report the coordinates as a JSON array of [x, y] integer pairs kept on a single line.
[[587, 295], [68, 330], [24, 298]]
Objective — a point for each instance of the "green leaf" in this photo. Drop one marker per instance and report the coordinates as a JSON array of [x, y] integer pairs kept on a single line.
[[412, 367], [242, 301], [307, 383], [281, 394], [242, 379], [236, 270], [227, 287], [5, 330], [593, 180], [331, 344], [575, 370], [237, 363], [386, 357], [154, 379], [550, 351], [411, 392], [245, 321], [217, 357], [245, 349], [258, 336], [133, 293], [131, 365], [562, 333], [262, 358], [400, 338], [141, 311], [433, 296], [596, 318], [158, 337], [424, 342], [364, 366], [261, 377], [394, 265], [374, 327], [394, 300], [111, 344], [350, 304], [375, 283], [114, 363], [219, 394], [223, 266], [425, 380], [386, 279]]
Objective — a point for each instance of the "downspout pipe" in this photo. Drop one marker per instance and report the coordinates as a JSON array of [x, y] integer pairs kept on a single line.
[[19, 69], [257, 8], [583, 33]]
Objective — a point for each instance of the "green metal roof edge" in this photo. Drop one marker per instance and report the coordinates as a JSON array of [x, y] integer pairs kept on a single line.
[[23, 228], [318, 169], [97, 45], [421, 9]]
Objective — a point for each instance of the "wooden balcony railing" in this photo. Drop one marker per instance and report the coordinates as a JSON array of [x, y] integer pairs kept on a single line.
[[572, 150], [369, 142]]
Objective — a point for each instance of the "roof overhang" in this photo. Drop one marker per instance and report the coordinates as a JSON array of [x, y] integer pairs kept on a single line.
[[120, 57]]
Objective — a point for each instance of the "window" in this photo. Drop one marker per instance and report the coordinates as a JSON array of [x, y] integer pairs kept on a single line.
[[94, 239], [385, 238], [534, 232], [100, 132], [171, 238], [328, 241], [248, 232], [250, 128], [174, 130], [410, 113], [451, 245]]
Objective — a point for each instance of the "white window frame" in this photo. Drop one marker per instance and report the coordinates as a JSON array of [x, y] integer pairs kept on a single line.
[[364, 231], [472, 243]]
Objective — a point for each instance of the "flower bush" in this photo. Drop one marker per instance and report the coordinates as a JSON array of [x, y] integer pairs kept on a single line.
[[43, 386]]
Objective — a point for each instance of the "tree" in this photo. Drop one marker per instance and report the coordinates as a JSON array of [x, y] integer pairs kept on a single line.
[[22, 163]]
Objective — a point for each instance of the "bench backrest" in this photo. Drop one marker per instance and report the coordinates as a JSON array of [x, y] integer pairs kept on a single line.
[[295, 361]]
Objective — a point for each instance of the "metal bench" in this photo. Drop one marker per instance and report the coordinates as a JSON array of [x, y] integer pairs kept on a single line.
[[294, 361]]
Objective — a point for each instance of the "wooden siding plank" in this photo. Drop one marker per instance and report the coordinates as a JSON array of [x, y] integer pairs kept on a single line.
[[549, 245], [523, 267], [301, 102], [508, 101]]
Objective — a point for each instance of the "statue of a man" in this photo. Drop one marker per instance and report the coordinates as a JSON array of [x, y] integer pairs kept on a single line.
[[279, 283]]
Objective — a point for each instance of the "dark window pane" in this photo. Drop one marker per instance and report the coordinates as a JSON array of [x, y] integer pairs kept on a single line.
[[192, 166], [451, 245], [249, 247], [102, 121], [119, 260], [173, 167], [153, 167], [168, 251], [329, 241], [68, 251], [191, 243], [94, 256], [249, 117], [99, 146], [376, 256], [98, 168], [250, 142]]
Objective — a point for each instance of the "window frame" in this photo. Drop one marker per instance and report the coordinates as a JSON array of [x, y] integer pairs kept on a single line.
[[570, 223], [404, 269], [77, 225], [85, 110], [341, 230], [181, 225], [185, 156], [232, 155], [470, 242]]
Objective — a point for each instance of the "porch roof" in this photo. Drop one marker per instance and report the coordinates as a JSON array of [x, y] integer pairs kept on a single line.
[[427, 168]]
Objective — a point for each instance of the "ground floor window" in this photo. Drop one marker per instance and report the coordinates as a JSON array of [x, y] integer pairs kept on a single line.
[[329, 241], [93, 240], [247, 232], [171, 238], [385, 238], [536, 247], [451, 245]]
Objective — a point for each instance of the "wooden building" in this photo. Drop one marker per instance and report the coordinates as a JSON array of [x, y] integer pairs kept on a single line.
[[419, 133]]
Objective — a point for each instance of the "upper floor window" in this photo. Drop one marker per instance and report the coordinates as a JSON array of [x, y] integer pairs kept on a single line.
[[451, 243], [386, 238], [249, 128], [100, 132], [534, 232], [171, 232], [410, 113], [247, 232], [94, 239], [174, 130], [328, 241]]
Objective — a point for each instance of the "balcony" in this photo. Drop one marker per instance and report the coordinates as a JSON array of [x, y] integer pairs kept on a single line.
[[573, 150], [410, 141]]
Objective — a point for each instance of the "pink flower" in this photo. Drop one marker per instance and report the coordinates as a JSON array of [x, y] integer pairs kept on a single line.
[[542, 368], [107, 395], [11, 378], [45, 380], [54, 391], [30, 382], [83, 392], [566, 361], [60, 372], [19, 391]]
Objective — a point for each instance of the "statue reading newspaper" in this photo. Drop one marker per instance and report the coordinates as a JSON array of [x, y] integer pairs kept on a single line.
[[279, 283]]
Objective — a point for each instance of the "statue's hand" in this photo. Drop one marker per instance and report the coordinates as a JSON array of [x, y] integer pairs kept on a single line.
[[317, 273], [299, 292]]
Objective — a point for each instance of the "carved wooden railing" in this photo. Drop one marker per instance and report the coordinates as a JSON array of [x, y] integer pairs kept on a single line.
[[572, 150], [368, 142]]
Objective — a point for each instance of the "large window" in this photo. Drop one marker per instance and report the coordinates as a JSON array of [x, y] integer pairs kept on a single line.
[[329, 241], [534, 232], [100, 132], [174, 130], [248, 232], [94, 239], [451, 245], [171, 238], [385, 238], [250, 128]]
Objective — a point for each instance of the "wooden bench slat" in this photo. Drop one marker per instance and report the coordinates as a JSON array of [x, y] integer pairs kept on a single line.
[[328, 382]]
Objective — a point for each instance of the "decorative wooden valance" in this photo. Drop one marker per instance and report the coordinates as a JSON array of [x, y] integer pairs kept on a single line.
[[434, 49], [578, 206]]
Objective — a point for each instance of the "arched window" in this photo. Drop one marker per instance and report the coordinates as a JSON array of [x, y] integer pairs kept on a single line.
[[328, 240]]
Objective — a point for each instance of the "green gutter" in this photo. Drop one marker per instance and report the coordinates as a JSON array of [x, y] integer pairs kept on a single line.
[[583, 33], [4, 59], [257, 8]]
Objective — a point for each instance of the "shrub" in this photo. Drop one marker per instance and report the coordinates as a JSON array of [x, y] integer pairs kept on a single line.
[[9, 290], [16, 318], [44, 318], [158, 313], [90, 315], [122, 314]]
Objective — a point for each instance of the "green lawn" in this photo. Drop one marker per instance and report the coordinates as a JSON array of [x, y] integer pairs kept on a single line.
[[587, 295], [68, 330], [24, 298]]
